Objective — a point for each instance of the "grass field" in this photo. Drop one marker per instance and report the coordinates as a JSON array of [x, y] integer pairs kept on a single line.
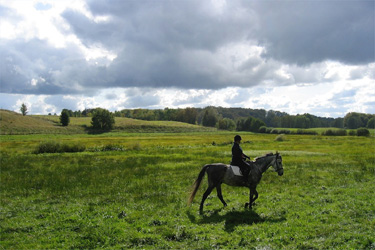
[[12, 123], [136, 198]]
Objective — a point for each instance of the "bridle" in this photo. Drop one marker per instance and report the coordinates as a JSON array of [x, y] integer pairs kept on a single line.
[[278, 166]]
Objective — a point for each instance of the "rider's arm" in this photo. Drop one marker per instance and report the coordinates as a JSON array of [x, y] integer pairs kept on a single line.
[[245, 156]]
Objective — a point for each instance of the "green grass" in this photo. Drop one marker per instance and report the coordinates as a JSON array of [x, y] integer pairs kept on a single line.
[[136, 198], [12, 123]]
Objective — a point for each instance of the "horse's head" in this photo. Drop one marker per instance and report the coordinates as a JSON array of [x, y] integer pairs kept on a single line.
[[277, 164]]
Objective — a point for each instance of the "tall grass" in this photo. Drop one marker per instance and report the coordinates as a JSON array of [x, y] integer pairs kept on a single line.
[[136, 198], [58, 147]]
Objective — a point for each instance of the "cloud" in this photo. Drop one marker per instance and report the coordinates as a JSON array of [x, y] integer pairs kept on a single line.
[[312, 31], [42, 6], [121, 54], [35, 67]]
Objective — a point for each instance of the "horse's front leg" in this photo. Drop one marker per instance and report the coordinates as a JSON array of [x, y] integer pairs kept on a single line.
[[248, 204], [252, 197]]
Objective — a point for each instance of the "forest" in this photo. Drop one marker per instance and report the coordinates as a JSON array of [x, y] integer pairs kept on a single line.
[[232, 118]]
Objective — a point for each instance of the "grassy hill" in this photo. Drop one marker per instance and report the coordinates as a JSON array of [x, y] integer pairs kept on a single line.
[[14, 123]]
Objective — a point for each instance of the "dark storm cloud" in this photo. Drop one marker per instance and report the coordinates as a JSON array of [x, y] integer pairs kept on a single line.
[[163, 25], [155, 41], [164, 44], [181, 43], [294, 32], [312, 31]]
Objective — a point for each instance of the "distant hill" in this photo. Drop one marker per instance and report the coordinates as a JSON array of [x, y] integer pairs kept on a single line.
[[15, 123]]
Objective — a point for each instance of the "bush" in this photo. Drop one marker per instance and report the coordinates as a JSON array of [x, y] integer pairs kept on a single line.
[[57, 147], [352, 132], [274, 131], [340, 132], [266, 130], [335, 132], [306, 132], [48, 147], [328, 132], [262, 129], [363, 132]]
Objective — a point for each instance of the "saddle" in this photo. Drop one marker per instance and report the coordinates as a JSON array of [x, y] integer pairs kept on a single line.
[[236, 170]]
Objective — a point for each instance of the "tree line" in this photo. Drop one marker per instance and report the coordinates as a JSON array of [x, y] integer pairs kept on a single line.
[[239, 119]]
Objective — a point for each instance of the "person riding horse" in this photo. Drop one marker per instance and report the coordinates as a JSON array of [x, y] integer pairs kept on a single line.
[[239, 158]]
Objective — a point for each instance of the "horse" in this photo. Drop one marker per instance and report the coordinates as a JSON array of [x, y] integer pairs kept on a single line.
[[219, 173]]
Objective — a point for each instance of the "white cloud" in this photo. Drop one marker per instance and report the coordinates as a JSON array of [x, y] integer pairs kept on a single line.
[[80, 54]]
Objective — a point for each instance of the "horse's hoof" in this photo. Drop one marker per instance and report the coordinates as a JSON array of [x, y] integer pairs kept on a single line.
[[225, 204], [247, 205]]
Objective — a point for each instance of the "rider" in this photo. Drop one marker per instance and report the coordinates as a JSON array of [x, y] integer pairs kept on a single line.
[[238, 158]]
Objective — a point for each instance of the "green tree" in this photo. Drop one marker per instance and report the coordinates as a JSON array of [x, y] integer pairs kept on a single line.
[[355, 120], [23, 109], [301, 121], [69, 112], [227, 124], [64, 118], [371, 123], [210, 118], [256, 124], [190, 115], [102, 119], [338, 123], [244, 124]]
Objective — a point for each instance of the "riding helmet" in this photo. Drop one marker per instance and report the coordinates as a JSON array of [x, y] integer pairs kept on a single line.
[[237, 138]]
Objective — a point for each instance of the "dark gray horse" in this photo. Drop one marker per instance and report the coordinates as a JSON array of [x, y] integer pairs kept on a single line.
[[219, 173]]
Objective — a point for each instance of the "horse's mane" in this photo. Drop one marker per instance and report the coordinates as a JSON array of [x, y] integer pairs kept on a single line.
[[264, 156]]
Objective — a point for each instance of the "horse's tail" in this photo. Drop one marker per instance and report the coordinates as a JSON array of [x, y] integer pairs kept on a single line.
[[197, 183]]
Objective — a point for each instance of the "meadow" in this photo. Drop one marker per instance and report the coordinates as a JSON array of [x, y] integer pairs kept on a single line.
[[137, 197]]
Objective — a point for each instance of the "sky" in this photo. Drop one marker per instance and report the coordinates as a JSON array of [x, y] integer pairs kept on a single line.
[[298, 57]]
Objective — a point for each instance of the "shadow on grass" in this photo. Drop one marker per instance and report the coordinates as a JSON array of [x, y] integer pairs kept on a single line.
[[232, 219]]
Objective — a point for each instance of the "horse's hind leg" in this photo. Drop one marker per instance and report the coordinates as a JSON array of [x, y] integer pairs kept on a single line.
[[205, 195], [255, 196], [220, 195]]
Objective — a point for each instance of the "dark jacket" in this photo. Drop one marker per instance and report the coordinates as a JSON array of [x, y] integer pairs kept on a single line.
[[238, 157]]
